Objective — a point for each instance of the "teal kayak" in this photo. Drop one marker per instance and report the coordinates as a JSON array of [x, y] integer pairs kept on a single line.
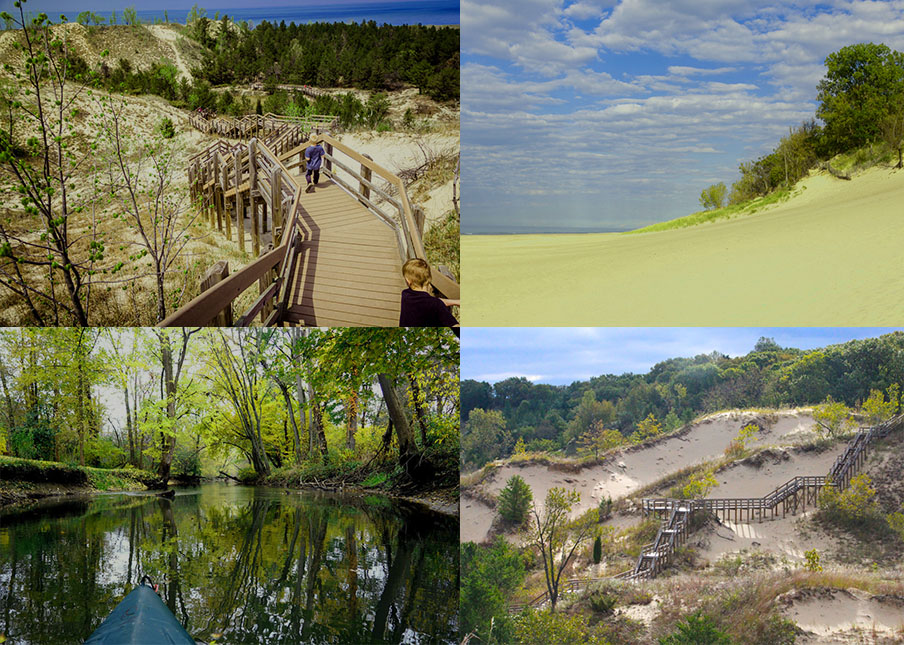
[[140, 619]]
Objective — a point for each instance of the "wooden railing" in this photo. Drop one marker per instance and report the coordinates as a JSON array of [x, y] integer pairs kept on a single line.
[[359, 175], [230, 180], [793, 495], [256, 125], [673, 532]]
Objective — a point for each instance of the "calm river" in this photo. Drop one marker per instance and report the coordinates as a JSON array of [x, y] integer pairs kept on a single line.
[[235, 565]]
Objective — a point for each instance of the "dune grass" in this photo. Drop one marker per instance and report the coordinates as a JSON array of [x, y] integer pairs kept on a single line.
[[726, 212]]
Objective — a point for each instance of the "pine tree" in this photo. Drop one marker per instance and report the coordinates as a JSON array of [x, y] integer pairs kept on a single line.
[[515, 500]]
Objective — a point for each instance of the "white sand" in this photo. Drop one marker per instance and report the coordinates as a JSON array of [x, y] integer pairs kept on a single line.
[[629, 471], [830, 256], [847, 616]]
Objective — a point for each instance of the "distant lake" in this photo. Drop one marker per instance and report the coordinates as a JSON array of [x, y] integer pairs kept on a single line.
[[428, 12]]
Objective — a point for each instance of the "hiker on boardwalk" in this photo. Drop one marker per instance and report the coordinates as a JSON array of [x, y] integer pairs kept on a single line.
[[313, 155], [420, 308]]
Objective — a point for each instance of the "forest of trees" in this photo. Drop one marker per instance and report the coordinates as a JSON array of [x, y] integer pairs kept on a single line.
[[364, 55], [342, 404], [673, 392], [861, 102]]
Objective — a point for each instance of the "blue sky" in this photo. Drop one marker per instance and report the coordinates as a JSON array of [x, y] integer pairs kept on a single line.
[[561, 355], [608, 115]]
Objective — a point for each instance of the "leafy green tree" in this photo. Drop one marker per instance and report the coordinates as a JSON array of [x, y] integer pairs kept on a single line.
[[647, 429], [599, 439], [713, 196], [877, 409], [696, 629], [853, 506], [597, 549], [862, 84], [891, 127], [833, 418], [515, 500], [484, 437], [700, 485], [556, 537], [489, 575], [588, 412]]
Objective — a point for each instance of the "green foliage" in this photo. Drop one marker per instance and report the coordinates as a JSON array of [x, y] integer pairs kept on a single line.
[[739, 445], [375, 480], [489, 575], [35, 437], [589, 414], [713, 196], [597, 549], [544, 627], [130, 16], [877, 408], [862, 85], [812, 557], [101, 452], [602, 602], [166, 128], [515, 501], [896, 523], [855, 506], [696, 629], [247, 475], [833, 418], [700, 484], [186, 461], [600, 440], [647, 429], [483, 437]]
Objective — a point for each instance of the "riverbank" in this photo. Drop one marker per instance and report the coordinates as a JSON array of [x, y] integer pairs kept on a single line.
[[26, 480], [826, 256]]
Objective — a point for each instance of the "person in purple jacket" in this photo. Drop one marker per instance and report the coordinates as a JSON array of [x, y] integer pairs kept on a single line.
[[313, 155], [420, 308]]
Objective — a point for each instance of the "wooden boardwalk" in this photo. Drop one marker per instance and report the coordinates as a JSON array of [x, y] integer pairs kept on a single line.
[[349, 271], [332, 257], [792, 497]]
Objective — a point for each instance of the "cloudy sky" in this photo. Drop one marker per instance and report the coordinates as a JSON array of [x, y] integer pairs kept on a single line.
[[612, 114], [561, 355]]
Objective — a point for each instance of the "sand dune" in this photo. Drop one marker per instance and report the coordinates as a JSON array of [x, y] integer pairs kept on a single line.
[[633, 469], [828, 256]]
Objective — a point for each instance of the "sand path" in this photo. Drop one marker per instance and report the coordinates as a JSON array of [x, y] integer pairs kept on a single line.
[[829, 256], [635, 469]]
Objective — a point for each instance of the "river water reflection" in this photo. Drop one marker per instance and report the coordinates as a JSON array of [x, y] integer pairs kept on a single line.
[[235, 565]]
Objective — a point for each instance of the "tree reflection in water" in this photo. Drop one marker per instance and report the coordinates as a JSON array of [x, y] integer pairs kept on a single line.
[[236, 565]]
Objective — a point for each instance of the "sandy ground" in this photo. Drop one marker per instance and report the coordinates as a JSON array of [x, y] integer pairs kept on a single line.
[[398, 151], [847, 616], [631, 470], [829, 256]]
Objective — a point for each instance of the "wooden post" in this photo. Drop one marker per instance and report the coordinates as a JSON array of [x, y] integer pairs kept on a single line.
[[420, 219], [215, 274], [328, 161], [224, 182], [264, 227], [239, 203], [252, 191], [276, 201], [263, 283], [366, 173]]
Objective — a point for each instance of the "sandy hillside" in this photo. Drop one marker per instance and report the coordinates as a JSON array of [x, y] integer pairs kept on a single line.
[[843, 616], [141, 46], [829, 256], [633, 469]]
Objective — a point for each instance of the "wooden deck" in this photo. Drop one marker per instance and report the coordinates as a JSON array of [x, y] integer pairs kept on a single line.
[[349, 270]]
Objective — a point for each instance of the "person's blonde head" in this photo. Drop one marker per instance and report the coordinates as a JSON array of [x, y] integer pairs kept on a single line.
[[416, 272]]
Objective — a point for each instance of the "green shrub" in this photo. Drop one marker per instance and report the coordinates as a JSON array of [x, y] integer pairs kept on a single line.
[[597, 550], [812, 557], [602, 602], [167, 129], [515, 501], [247, 475], [696, 629]]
